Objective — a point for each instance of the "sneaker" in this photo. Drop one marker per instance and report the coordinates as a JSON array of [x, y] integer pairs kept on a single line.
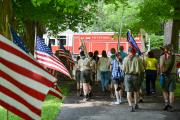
[[81, 95], [170, 108], [136, 106], [120, 102], [141, 101], [85, 99], [90, 94], [116, 103], [166, 107], [131, 109]]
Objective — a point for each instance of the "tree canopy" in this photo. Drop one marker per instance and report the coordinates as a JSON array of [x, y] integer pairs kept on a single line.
[[88, 15], [55, 15], [149, 15]]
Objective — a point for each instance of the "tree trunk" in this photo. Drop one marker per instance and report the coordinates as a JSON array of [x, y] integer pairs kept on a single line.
[[175, 35], [40, 29], [29, 36], [172, 28], [172, 33], [5, 17]]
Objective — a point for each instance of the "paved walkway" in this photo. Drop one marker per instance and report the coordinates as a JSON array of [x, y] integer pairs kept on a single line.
[[100, 108]]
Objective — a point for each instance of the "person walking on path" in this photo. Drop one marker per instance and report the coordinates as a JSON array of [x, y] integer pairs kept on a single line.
[[151, 66], [97, 72], [93, 72], [103, 65], [141, 80], [77, 74], [122, 53], [117, 77], [168, 76], [84, 66], [132, 66], [111, 58]]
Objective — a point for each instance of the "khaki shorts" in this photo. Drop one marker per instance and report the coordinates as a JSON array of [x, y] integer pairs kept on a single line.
[[86, 76], [92, 82], [131, 83], [78, 75], [140, 80]]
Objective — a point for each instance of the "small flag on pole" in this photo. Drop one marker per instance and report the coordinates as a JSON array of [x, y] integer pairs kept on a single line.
[[64, 53], [45, 56], [19, 42], [133, 43], [55, 91]]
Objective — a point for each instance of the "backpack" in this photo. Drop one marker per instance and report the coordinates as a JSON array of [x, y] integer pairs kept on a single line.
[[119, 73]]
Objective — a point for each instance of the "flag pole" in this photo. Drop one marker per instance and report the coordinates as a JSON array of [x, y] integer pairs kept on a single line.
[[35, 37], [7, 113], [10, 32]]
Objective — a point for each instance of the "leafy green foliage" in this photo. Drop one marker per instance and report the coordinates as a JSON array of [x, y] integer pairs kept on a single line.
[[156, 41], [154, 13], [56, 15], [110, 15], [151, 12], [147, 14]]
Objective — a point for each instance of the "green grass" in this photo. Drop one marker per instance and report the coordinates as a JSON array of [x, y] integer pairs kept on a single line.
[[177, 93], [50, 110]]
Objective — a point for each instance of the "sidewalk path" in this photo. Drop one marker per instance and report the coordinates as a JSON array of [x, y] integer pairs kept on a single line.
[[100, 108]]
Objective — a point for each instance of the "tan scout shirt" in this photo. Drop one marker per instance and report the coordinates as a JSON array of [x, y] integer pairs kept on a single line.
[[132, 66], [84, 64]]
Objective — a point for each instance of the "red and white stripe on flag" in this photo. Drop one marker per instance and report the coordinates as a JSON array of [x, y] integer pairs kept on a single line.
[[24, 83], [66, 55], [51, 62], [55, 91]]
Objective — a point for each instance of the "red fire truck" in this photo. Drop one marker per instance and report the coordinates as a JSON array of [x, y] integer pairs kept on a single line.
[[93, 41]]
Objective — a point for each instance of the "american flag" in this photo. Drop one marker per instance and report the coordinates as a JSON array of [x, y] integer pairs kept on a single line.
[[19, 42], [45, 56], [68, 56], [24, 83], [133, 43], [66, 59], [55, 91], [64, 53]]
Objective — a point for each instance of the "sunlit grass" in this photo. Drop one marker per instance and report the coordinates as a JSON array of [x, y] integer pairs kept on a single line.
[[4, 113], [177, 93], [50, 110]]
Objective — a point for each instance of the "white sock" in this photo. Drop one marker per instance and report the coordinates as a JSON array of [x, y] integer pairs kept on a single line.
[[120, 99], [117, 96]]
